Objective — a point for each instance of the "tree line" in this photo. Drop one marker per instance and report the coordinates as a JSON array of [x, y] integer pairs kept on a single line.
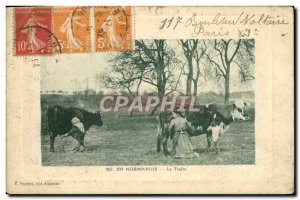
[[164, 65]]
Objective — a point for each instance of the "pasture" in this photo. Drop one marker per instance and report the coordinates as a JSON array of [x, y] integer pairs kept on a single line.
[[124, 140]]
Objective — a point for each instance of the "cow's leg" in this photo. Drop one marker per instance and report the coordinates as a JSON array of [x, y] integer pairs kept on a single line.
[[217, 146], [165, 137], [209, 141], [214, 146], [158, 143], [158, 139], [76, 148], [52, 139]]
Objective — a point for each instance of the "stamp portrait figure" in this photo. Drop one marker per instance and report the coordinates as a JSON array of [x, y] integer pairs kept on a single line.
[[35, 44], [113, 28], [72, 41], [112, 22]]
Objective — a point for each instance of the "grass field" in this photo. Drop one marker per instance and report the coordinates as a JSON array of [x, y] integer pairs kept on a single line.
[[124, 140]]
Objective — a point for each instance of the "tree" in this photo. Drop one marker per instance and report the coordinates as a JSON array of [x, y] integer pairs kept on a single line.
[[124, 74], [199, 55], [189, 48], [152, 62], [194, 52], [158, 63], [226, 53]]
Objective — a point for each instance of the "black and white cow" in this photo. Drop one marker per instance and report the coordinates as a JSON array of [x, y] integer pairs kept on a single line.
[[222, 116], [200, 121]]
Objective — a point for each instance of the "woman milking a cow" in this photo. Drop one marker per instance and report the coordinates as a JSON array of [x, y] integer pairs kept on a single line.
[[77, 132], [182, 146]]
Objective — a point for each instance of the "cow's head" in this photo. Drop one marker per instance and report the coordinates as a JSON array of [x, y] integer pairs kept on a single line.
[[239, 110], [97, 119]]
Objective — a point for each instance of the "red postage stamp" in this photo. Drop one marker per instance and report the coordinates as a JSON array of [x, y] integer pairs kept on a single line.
[[113, 28], [33, 31]]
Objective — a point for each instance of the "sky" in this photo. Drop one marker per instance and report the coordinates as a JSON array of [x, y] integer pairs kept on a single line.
[[76, 72]]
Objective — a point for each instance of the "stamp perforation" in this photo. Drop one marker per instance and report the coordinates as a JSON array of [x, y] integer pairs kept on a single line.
[[12, 13], [133, 28]]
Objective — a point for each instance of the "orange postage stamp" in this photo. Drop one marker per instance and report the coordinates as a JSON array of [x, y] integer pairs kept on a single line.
[[71, 27], [113, 28]]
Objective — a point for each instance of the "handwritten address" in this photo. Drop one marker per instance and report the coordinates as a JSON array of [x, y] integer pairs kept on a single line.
[[199, 23]]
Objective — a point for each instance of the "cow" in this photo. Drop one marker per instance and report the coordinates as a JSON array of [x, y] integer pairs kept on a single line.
[[218, 114], [59, 121], [200, 121]]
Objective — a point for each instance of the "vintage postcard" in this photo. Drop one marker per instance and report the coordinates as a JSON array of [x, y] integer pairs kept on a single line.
[[150, 100]]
